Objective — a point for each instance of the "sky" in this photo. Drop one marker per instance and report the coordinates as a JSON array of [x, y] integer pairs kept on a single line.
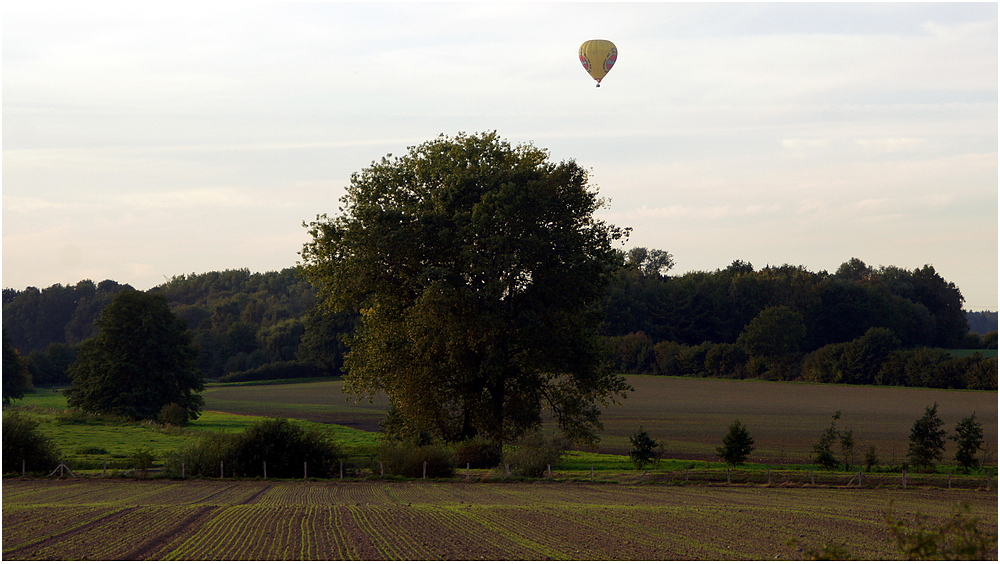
[[147, 140]]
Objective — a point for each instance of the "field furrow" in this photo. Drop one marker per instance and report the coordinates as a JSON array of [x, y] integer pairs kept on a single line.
[[448, 521]]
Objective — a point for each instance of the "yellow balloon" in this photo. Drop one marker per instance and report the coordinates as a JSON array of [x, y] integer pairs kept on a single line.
[[598, 56]]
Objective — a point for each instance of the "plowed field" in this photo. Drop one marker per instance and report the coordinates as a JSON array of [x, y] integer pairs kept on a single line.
[[207, 520]]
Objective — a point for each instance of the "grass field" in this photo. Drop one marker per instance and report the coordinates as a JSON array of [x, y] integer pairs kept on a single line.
[[254, 520]]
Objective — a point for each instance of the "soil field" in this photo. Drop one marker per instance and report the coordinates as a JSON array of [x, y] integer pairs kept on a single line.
[[688, 415], [254, 520]]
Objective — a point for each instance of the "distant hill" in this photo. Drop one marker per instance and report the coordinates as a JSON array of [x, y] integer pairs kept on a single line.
[[981, 322]]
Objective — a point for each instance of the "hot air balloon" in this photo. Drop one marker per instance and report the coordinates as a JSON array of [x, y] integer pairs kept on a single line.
[[598, 56]]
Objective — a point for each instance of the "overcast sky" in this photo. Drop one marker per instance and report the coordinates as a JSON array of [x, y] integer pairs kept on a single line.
[[145, 142]]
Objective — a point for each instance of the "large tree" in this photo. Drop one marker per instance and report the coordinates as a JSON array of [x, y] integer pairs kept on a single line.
[[475, 266], [140, 361]]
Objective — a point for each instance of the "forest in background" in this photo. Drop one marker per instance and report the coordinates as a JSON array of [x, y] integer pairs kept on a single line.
[[259, 326]]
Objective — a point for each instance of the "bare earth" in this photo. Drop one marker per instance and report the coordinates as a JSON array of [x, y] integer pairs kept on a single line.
[[277, 520]]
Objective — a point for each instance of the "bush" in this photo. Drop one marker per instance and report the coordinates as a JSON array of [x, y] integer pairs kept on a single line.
[[726, 359], [173, 414], [407, 459], [531, 456], [23, 442], [277, 371], [282, 444], [478, 453], [285, 447], [643, 449], [204, 458], [824, 364], [141, 460]]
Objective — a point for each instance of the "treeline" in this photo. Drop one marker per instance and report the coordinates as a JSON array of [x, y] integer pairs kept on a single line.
[[245, 325], [859, 325], [259, 326]]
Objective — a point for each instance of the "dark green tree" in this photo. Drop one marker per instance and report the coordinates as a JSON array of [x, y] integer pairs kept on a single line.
[[969, 438], [927, 437], [643, 448], [16, 380], [737, 445], [823, 449], [776, 331], [475, 267], [140, 361]]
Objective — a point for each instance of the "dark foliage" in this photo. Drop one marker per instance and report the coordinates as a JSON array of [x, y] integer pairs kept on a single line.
[[140, 361], [23, 442], [969, 441], [532, 455], [285, 370], [16, 379], [927, 439], [737, 445], [643, 448], [288, 449], [410, 460]]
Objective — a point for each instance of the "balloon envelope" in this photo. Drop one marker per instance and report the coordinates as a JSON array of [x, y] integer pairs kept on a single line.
[[598, 56]]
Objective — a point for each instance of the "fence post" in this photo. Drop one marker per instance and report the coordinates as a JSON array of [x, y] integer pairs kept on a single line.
[[222, 469], [812, 477], [182, 467], [341, 469], [24, 467], [305, 470], [591, 472], [105, 471], [381, 470], [506, 469], [265, 469], [904, 478], [550, 471], [425, 469]]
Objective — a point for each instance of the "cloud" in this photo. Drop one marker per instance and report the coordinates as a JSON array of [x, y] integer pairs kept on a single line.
[[891, 145]]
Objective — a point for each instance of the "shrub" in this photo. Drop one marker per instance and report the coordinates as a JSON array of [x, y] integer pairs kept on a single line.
[[203, 459], [23, 442], [969, 436], [407, 459], [173, 414], [737, 445], [285, 447], [726, 359], [532, 454], [285, 370], [927, 438], [92, 450], [871, 458], [824, 364], [478, 453], [643, 449], [823, 449], [141, 460], [282, 444], [961, 537]]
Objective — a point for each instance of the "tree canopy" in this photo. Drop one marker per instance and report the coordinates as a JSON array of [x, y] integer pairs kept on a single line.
[[474, 266], [140, 361]]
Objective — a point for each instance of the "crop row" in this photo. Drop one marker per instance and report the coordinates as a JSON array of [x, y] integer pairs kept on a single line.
[[102, 535]]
